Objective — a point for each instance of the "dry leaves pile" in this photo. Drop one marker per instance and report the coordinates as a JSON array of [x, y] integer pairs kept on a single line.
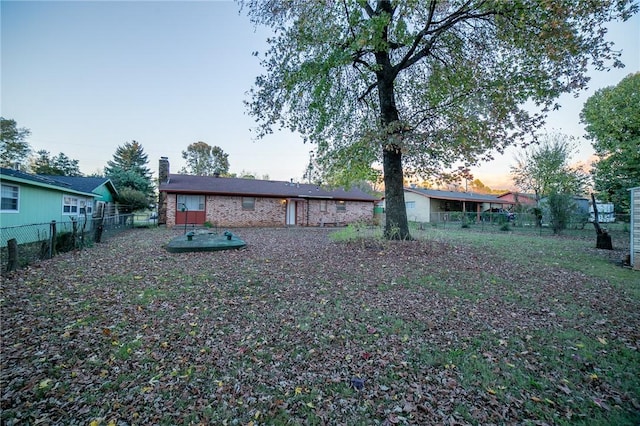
[[299, 329]]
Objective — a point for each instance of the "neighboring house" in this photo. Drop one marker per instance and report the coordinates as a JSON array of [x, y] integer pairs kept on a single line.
[[32, 199], [105, 192], [520, 198], [635, 228], [233, 202], [432, 205]]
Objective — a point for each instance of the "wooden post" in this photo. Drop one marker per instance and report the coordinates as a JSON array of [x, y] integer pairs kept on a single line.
[[52, 239], [12, 247], [74, 233], [603, 239], [98, 234]]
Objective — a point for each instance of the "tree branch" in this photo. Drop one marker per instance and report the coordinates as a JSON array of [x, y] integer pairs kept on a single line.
[[366, 92], [411, 57]]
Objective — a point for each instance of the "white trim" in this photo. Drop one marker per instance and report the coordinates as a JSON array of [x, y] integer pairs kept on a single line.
[[17, 210], [88, 205], [632, 225]]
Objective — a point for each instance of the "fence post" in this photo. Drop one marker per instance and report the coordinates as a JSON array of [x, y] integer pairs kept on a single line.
[[97, 236], [12, 248], [52, 241], [74, 232]]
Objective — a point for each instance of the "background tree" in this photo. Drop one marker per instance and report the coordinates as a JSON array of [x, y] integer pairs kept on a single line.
[[129, 170], [205, 160], [612, 119], [130, 200], [423, 85], [545, 171], [129, 157], [59, 165], [14, 148], [479, 187]]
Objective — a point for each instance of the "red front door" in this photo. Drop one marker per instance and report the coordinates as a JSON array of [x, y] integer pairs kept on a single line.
[[193, 217], [190, 209]]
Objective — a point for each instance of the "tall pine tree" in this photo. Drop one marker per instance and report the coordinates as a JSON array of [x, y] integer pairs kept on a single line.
[[129, 172]]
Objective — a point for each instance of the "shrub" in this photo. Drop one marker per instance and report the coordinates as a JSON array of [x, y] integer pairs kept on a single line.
[[560, 208]]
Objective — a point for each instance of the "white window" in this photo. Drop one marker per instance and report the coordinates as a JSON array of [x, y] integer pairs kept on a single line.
[[10, 198], [248, 203], [69, 205], [191, 203], [86, 207], [323, 205], [77, 206], [410, 204]]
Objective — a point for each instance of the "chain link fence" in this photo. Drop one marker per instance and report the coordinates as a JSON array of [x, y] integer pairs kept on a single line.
[[25, 244], [524, 223]]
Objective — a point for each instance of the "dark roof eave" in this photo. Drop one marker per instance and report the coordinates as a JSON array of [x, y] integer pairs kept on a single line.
[[257, 194], [461, 198]]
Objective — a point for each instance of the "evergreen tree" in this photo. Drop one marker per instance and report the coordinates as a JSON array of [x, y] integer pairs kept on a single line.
[[129, 157], [59, 165], [129, 170]]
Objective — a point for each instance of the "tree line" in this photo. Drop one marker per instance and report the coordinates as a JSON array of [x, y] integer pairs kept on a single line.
[[128, 169], [611, 117]]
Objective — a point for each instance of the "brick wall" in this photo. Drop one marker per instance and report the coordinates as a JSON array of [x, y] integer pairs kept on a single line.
[[354, 211], [227, 211]]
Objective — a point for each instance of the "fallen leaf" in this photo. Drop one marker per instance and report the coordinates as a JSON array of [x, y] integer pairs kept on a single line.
[[44, 384]]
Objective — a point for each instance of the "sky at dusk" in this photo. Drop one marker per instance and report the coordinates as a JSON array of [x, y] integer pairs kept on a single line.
[[88, 76]]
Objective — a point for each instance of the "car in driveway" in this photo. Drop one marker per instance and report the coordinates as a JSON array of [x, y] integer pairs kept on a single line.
[[497, 212]]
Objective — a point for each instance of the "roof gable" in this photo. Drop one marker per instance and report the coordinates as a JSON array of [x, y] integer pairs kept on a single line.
[[178, 183], [84, 184]]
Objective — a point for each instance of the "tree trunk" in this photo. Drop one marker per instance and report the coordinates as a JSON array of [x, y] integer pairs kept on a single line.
[[396, 226], [603, 239]]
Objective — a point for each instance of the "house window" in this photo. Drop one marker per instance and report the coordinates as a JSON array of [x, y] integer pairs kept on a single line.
[[86, 208], [323, 205], [410, 204], [341, 206], [69, 205], [248, 203], [74, 205], [190, 202], [10, 198]]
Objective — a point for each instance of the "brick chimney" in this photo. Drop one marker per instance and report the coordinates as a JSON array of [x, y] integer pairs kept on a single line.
[[163, 170], [163, 177]]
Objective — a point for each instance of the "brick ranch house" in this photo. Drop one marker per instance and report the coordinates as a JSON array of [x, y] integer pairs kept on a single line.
[[233, 202]]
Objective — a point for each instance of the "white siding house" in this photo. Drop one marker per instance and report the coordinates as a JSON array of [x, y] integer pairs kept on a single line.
[[635, 228], [418, 207]]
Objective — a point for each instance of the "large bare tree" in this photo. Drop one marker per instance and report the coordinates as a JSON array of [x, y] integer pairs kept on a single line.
[[423, 86]]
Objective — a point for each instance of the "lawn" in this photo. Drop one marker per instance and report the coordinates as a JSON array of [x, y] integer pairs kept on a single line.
[[317, 326]]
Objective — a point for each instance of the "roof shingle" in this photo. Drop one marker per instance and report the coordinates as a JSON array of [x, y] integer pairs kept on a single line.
[[178, 183]]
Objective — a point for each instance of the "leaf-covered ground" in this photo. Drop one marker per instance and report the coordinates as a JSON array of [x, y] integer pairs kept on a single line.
[[299, 329]]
